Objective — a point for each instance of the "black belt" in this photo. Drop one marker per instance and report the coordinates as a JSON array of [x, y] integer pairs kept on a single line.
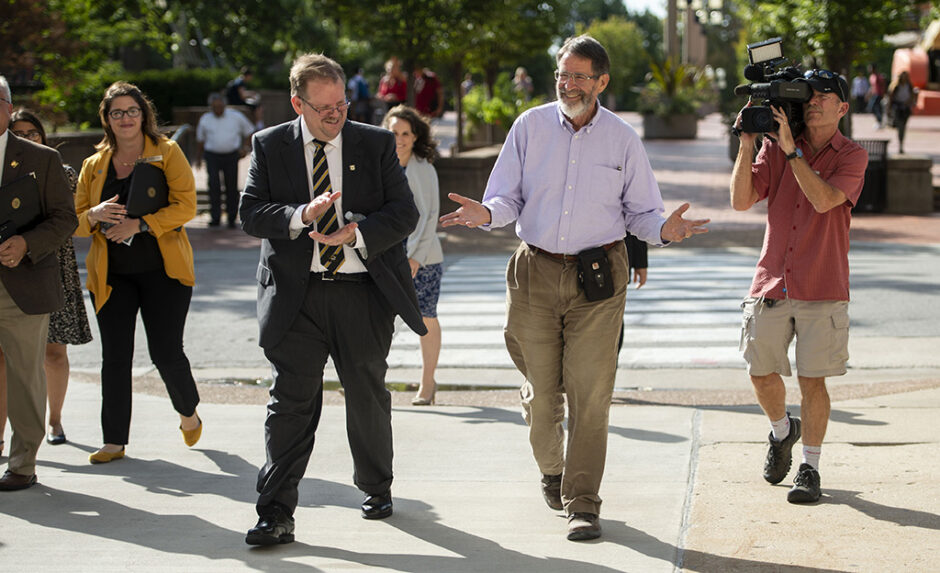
[[342, 277], [567, 258]]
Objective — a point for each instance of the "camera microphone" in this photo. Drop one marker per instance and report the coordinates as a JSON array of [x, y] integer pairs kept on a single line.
[[742, 90], [754, 72]]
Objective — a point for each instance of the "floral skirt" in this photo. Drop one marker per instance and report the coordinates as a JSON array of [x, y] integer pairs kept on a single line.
[[69, 325]]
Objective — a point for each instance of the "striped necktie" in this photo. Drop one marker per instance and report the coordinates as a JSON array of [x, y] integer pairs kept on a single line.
[[331, 257]]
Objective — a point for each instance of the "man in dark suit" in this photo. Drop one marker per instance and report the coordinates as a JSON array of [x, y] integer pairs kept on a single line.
[[30, 289], [332, 205]]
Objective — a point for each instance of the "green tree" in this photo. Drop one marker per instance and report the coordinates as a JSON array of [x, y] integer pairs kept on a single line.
[[835, 35], [629, 61]]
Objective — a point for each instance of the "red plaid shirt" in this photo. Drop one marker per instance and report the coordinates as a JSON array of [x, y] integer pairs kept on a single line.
[[806, 254]]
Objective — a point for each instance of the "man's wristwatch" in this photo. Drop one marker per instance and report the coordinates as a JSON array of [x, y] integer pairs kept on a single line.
[[796, 153], [144, 227]]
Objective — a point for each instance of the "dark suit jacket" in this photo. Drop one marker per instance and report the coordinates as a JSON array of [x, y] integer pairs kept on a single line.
[[35, 284], [374, 185]]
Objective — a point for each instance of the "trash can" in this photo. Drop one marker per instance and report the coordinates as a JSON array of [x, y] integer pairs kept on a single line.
[[873, 197]]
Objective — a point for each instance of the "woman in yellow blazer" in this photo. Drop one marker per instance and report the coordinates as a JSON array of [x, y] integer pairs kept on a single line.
[[153, 274]]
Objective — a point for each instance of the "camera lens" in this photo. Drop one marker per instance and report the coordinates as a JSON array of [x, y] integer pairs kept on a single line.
[[764, 120]]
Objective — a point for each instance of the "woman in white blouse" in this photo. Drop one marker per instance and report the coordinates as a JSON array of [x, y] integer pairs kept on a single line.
[[416, 150]]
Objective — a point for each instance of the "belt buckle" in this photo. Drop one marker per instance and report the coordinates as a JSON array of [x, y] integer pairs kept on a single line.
[[326, 276]]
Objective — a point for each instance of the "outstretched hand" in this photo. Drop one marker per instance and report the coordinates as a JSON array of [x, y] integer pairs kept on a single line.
[[677, 229], [470, 213]]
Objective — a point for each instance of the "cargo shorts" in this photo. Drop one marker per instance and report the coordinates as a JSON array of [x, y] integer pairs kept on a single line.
[[821, 329]]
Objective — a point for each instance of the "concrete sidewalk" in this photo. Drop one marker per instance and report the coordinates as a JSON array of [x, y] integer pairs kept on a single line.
[[683, 487], [682, 490]]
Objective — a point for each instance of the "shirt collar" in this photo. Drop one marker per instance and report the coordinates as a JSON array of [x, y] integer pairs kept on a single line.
[[308, 137], [563, 121], [837, 141]]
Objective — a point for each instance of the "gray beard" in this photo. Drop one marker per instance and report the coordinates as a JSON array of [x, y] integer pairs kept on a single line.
[[579, 109]]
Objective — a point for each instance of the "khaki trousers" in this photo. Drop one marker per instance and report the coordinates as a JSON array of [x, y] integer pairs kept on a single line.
[[23, 340], [565, 345]]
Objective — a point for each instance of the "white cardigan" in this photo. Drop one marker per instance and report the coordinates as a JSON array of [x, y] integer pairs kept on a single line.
[[423, 244]]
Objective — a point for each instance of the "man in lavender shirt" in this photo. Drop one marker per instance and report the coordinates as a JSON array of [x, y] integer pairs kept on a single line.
[[574, 177]]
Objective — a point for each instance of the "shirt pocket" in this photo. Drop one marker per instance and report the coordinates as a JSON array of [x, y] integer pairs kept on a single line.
[[606, 185]]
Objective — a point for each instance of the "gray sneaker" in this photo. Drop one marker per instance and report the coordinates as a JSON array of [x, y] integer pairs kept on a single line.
[[805, 485], [779, 454]]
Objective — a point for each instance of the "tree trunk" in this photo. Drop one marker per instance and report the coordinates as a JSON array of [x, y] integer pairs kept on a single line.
[[457, 70]]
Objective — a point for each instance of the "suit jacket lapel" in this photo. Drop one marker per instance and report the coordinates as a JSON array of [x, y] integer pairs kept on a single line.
[[13, 160], [352, 164], [294, 161]]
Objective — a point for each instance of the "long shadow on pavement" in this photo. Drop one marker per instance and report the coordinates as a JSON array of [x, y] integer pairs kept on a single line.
[[484, 415]]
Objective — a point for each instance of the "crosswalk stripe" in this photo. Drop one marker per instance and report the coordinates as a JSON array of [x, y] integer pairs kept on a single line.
[[687, 315]]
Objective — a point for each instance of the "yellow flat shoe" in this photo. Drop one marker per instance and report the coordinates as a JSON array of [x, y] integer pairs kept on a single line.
[[102, 457], [190, 437]]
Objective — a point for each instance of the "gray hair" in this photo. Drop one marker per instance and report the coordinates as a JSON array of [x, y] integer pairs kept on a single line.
[[215, 96], [587, 47], [5, 88]]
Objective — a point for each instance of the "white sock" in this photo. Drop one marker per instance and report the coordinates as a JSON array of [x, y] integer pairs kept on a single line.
[[811, 455], [781, 428]]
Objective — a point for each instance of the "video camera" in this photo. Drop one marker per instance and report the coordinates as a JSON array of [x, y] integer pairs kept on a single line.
[[774, 88]]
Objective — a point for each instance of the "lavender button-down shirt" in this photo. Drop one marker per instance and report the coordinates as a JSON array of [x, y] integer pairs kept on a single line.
[[572, 190]]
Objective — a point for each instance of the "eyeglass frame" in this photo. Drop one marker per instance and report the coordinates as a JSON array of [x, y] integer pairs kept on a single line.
[[826, 75], [575, 76], [118, 114], [5, 100], [27, 134], [324, 112]]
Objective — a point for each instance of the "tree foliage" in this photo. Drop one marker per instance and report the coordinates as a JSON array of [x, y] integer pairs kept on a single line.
[[629, 61], [834, 35]]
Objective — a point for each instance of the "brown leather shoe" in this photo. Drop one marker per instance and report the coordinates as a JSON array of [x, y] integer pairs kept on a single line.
[[12, 481], [551, 491], [583, 526]]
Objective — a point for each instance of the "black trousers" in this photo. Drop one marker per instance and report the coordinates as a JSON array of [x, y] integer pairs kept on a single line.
[[353, 324], [227, 165], [163, 304]]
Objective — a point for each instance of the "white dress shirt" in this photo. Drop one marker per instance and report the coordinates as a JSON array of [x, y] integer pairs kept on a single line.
[[223, 134], [334, 161], [4, 137]]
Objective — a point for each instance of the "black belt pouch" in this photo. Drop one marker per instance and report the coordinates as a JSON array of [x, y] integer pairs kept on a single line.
[[594, 274]]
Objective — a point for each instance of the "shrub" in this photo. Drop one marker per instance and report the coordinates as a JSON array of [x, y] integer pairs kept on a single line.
[[166, 88], [500, 110]]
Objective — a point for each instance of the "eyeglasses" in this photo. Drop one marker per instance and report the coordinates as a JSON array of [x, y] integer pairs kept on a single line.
[[5, 100], [31, 134], [120, 113], [325, 111], [563, 77]]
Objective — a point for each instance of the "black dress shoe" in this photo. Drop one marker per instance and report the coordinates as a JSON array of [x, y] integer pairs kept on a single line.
[[274, 526], [56, 439], [12, 481], [377, 506]]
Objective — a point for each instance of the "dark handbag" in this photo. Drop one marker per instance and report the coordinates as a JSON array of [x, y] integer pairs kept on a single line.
[[594, 274]]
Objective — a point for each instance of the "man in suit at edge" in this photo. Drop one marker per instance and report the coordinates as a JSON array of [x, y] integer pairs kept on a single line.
[[327, 288], [30, 288]]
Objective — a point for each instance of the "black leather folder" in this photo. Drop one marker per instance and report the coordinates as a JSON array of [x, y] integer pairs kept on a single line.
[[148, 191]]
